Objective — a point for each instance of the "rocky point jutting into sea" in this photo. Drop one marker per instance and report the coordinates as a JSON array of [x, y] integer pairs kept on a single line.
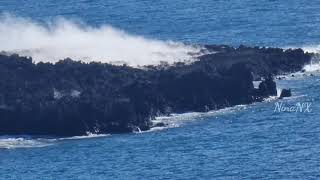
[[73, 98]]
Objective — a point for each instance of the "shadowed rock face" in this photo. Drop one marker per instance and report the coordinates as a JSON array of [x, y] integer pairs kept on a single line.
[[261, 61], [72, 98], [285, 93]]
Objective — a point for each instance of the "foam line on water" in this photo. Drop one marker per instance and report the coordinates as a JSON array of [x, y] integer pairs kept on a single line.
[[85, 137], [178, 120], [21, 142], [14, 142]]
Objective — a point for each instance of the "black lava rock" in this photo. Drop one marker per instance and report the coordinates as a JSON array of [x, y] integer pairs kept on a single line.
[[285, 93], [268, 87], [74, 98]]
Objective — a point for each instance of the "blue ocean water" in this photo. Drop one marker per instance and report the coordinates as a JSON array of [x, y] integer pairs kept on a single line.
[[243, 142], [267, 22]]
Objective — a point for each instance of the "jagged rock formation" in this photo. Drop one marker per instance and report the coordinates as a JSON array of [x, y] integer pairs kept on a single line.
[[285, 93], [261, 61], [72, 98]]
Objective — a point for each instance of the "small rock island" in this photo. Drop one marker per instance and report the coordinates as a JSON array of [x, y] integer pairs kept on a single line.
[[71, 98]]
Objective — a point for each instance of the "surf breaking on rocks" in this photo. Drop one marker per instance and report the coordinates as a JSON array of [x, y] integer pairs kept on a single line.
[[61, 38]]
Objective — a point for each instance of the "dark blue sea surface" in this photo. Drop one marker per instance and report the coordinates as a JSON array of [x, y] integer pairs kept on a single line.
[[244, 142], [265, 22]]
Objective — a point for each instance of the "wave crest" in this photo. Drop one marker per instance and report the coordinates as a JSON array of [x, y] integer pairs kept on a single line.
[[14, 142], [22, 142]]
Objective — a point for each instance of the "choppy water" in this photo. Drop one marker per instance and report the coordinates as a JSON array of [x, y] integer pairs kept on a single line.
[[247, 142]]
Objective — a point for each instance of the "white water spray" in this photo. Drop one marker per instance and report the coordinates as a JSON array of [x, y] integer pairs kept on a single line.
[[63, 38]]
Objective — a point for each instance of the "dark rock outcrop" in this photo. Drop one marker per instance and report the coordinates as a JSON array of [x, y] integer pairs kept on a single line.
[[285, 93], [260, 60], [267, 87], [73, 98]]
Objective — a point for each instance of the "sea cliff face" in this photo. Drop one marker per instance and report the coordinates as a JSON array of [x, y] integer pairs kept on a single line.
[[73, 98]]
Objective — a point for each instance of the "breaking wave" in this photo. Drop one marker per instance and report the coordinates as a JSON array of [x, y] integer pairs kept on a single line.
[[312, 48], [314, 65], [178, 120], [23, 142], [14, 142], [62, 38]]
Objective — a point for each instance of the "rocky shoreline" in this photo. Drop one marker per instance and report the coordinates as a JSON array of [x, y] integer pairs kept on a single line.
[[72, 98]]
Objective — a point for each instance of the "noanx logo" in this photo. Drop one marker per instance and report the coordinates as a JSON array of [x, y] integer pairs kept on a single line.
[[299, 107]]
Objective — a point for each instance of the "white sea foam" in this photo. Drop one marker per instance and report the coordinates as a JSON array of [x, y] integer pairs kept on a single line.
[[279, 90], [90, 135], [63, 38], [21, 142], [13, 142], [178, 120], [314, 66], [311, 48]]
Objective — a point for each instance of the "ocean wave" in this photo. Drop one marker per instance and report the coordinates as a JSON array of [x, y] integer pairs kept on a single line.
[[178, 120], [90, 135], [62, 38], [314, 66], [311, 48], [14, 142], [23, 142]]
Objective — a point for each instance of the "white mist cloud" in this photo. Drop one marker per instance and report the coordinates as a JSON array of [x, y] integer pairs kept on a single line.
[[64, 38]]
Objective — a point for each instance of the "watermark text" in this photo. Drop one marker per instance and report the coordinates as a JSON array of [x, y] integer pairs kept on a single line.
[[299, 107]]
